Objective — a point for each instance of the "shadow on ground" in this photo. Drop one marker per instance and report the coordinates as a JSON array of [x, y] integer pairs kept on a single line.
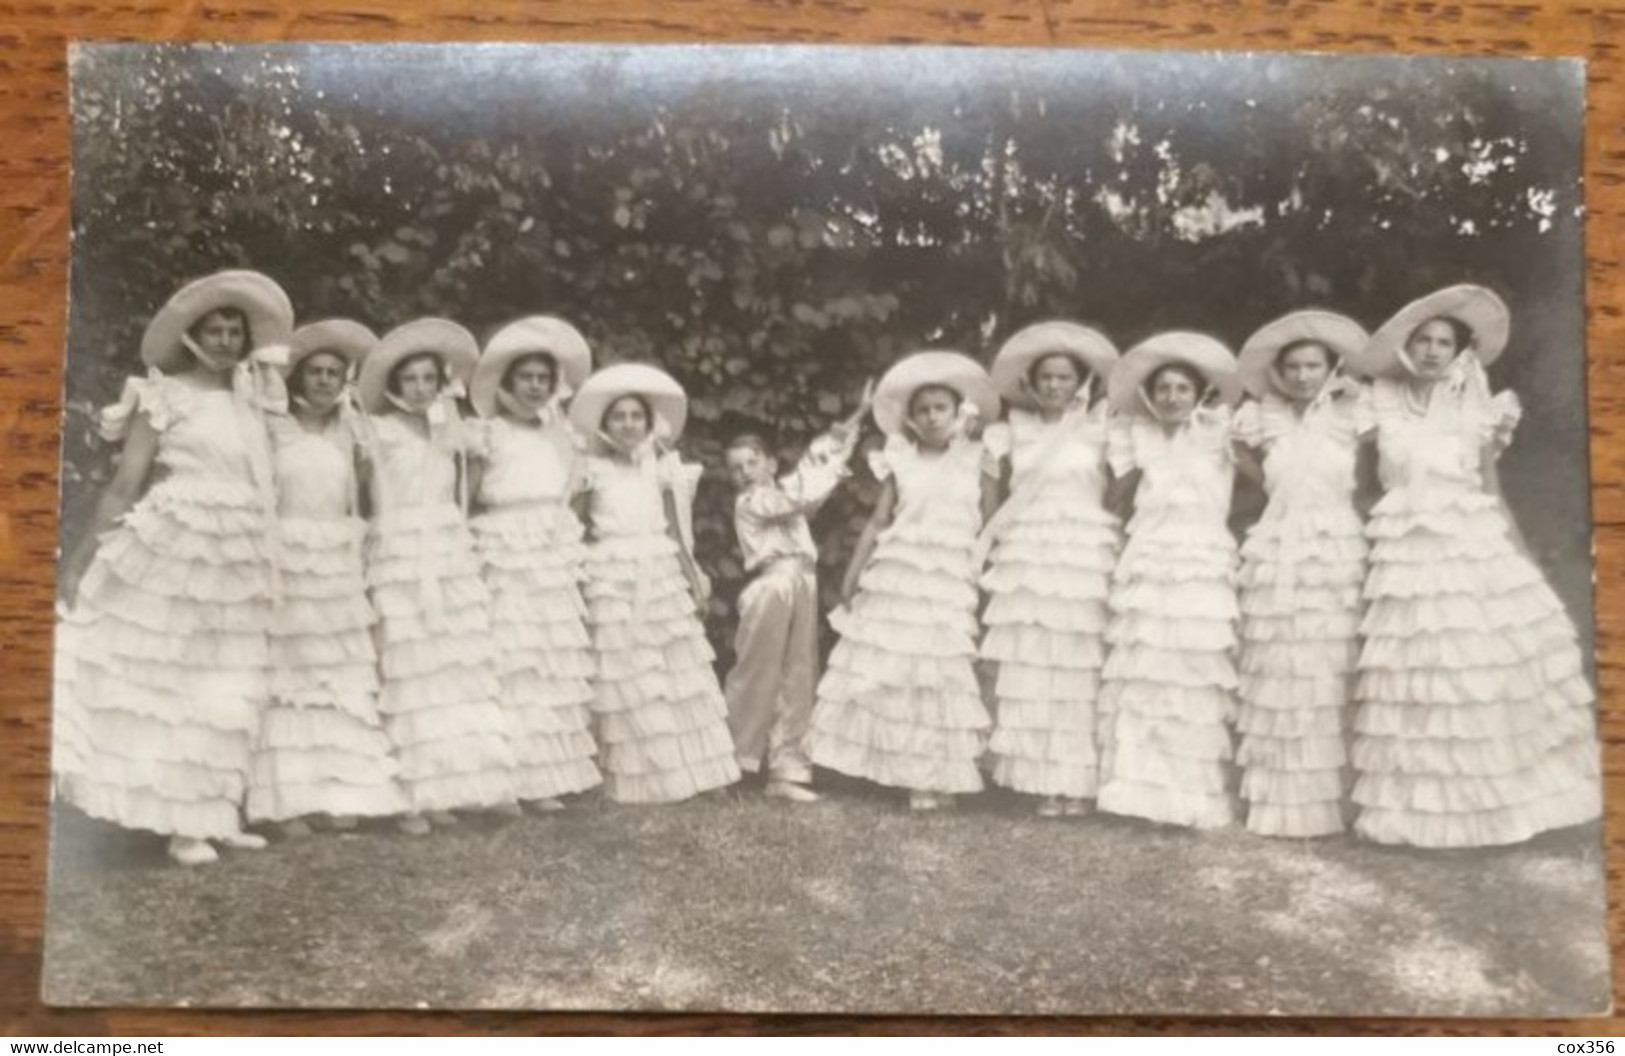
[[735, 902]]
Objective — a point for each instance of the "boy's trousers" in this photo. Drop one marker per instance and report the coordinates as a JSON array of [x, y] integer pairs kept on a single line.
[[771, 688]]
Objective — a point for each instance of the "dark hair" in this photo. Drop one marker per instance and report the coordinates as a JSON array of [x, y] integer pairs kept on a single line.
[[1332, 358], [939, 387], [648, 412], [1077, 364], [540, 357], [394, 382], [1192, 375], [229, 311], [1464, 333], [749, 441], [296, 377]]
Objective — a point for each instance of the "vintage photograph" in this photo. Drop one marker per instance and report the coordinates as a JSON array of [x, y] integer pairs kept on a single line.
[[804, 529]]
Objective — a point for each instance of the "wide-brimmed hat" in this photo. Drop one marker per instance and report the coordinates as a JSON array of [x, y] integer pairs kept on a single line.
[[951, 370], [258, 297], [454, 345], [1481, 309], [1208, 356], [1030, 344], [666, 398], [1345, 337], [525, 337], [342, 337]]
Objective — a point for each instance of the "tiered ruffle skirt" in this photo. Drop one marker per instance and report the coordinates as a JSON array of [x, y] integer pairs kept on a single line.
[[1300, 601], [1474, 725], [441, 697], [1046, 621], [899, 704], [1170, 678], [532, 558], [162, 675], [662, 721], [322, 747]]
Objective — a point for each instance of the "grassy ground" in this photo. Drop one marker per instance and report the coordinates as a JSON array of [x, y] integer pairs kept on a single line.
[[741, 903]]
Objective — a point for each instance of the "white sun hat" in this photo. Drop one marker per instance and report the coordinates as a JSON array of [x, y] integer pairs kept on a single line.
[[1208, 356]]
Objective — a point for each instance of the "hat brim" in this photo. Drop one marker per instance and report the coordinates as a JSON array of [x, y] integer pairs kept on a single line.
[[1206, 355], [1345, 337], [666, 398], [532, 335], [263, 303], [1015, 358], [454, 345], [1480, 308], [341, 337], [911, 373]]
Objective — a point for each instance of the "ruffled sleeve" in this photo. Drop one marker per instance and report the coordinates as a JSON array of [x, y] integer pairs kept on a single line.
[[1247, 427], [156, 396], [1120, 453], [1501, 420], [996, 444]]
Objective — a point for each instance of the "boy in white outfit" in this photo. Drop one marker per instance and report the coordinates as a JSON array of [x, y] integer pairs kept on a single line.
[[771, 688]]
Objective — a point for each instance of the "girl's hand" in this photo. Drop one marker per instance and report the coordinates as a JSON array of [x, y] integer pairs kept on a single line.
[[849, 589], [851, 423]]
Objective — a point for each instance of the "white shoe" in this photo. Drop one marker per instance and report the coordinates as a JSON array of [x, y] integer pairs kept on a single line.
[[243, 841], [414, 825], [1051, 807], [550, 805], [508, 810], [342, 822], [793, 792], [444, 819], [184, 850], [297, 829]]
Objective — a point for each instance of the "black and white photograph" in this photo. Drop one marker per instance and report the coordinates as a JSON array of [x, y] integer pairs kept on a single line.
[[973, 531]]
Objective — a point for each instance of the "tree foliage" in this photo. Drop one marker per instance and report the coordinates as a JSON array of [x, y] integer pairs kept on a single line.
[[774, 232]]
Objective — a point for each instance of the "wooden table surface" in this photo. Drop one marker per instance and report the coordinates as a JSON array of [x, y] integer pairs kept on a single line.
[[34, 242]]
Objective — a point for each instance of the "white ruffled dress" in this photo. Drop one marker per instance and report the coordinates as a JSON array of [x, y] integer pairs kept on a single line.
[[1474, 725], [899, 703], [440, 697], [163, 663], [1302, 568], [530, 543], [1047, 582], [322, 747], [1170, 677], [662, 721]]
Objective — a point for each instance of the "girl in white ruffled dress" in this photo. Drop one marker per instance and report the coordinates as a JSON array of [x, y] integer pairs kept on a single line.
[[1053, 547], [1475, 723], [1170, 676], [1303, 565], [899, 703], [322, 749], [662, 720], [441, 698], [530, 542], [163, 656]]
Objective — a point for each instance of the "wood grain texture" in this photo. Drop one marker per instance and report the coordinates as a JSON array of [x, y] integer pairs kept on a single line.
[[33, 277]]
